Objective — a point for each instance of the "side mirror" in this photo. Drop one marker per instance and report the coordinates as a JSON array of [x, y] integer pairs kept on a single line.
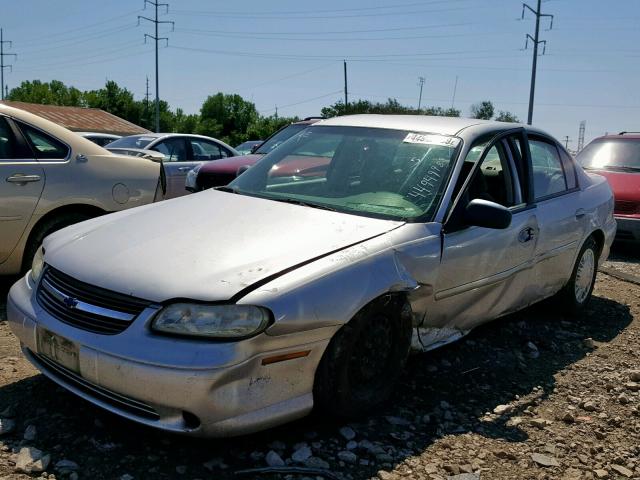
[[483, 213], [242, 169], [255, 147]]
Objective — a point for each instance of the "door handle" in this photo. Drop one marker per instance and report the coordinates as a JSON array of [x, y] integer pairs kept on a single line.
[[21, 178], [184, 169], [580, 213], [526, 235]]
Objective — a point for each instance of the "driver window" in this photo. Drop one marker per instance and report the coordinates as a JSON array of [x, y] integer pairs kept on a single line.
[[173, 150]]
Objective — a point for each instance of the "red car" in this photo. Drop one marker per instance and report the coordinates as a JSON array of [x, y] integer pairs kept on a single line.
[[221, 172], [617, 157]]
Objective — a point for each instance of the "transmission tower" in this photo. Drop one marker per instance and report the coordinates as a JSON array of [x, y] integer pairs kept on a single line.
[[2, 65], [536, 41], [420, 84], [155, 37], [583, 125]]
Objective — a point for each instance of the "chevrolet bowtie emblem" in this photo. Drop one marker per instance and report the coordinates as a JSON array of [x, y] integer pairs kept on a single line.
[[70, 302]]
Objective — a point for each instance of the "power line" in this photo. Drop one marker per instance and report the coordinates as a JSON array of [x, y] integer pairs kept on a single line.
[[2, 65], [155, 37], [304, 101], [536, 41]]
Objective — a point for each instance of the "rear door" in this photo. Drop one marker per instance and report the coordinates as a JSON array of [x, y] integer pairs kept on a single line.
[[484, 272], [21, 183], [176, 164]]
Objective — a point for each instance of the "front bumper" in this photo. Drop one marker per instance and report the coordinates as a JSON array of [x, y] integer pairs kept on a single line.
[[201, 388], [628, 229]]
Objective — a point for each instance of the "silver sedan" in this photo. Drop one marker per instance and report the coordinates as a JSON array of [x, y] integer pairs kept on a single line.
[[309, 279]]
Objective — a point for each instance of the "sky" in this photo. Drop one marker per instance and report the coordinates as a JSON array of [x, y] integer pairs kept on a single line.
[[288, 54]]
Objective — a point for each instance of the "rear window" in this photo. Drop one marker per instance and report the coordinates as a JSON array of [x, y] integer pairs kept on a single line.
[[611, 154], [134, 141]]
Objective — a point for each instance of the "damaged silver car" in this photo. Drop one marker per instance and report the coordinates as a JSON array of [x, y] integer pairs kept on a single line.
[[309, 279]]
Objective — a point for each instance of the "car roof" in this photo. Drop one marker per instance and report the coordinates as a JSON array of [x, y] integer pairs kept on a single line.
[[424, 123], [622, 135]]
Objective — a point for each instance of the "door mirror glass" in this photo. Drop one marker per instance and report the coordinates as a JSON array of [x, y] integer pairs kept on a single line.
[[487, 214]]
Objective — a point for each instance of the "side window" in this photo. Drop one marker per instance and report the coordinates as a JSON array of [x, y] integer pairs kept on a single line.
[[569, 169], [7, 141], [173, 149], [548, 174], [44, 146], [203, 150]]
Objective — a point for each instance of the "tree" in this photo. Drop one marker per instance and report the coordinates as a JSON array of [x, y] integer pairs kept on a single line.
[[263, 127], [54, 93], [227, 117], [482, 110], [506, 117], [391, 106]]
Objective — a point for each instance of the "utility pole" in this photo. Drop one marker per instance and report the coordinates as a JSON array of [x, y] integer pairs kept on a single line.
[[155, 37], [566, 142], [583, 125], [2, 65], [536, 41], [421, 84], [346, 95], [146, 102], [455, 87], [276, 112]]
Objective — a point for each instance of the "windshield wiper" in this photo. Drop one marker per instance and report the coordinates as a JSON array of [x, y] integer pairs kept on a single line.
[[295, 201]]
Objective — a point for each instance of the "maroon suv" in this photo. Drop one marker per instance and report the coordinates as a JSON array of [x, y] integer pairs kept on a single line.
[[221, 172]]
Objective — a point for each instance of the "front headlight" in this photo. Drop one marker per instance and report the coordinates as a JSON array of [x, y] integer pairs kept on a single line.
[[37, 265], [219, 321], [192, 175]]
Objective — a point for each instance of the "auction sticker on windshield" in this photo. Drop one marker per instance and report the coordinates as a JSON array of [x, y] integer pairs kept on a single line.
[[431, 139]]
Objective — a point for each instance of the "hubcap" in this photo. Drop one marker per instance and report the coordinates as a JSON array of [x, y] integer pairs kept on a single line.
[[584, 275]]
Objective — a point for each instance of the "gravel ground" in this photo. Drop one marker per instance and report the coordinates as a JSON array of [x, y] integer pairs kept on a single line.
[[625, 258], [531, 396]]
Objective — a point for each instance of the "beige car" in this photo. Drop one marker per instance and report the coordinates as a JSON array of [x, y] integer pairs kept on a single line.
[[51, 177]]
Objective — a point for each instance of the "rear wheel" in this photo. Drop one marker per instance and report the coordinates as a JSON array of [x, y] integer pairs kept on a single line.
[[577, 292], [364, 359], [47, 227]]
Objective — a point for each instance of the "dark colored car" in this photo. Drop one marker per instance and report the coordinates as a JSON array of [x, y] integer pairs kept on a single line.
[[224, 171], [617, 157]]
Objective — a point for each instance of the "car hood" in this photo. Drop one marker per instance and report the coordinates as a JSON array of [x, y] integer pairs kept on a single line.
[[207, 246], [230, 164], [625, 186]]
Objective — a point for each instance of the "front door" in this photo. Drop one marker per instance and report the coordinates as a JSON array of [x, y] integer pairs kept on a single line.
[[486, 272], [21, 183]]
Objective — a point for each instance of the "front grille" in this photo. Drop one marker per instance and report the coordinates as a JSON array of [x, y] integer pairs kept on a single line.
[[85, 306], [210, 180], [116, 400], [625, 207]]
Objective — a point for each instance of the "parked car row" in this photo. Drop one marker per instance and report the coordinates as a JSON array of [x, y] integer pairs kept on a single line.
[[340, 247]]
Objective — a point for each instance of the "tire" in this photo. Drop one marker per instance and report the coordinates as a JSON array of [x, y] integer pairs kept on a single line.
[[49, 226], [364, 359], [575, 295]]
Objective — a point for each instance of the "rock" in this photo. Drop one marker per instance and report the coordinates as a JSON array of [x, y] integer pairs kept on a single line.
[[8, 412], [31, 460], [634, 376], [273, 459], [30, 433], [216, 462], [7, 426], [126, 476], [568, 417], [315, 462], [397, 421], [589, 406], [633, 386], [544, 460], [352, 445], [589, 343], [348, 433], [601, 473], [382, 475], [66, 466], [454, 469], [181, 469], [532, 350], [465, 476], [624, 399], [505, 454], [347, 457], [625, 472], [538, 423], [301, 454], [502, 409], [73, 476]]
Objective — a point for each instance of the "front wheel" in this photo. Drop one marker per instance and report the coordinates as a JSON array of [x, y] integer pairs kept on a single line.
[[577, 292], [364, 359]]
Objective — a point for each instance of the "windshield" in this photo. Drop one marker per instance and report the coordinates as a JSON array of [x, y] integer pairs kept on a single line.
[[134, 141], [611, 154], [374, 172], [279, 137]]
